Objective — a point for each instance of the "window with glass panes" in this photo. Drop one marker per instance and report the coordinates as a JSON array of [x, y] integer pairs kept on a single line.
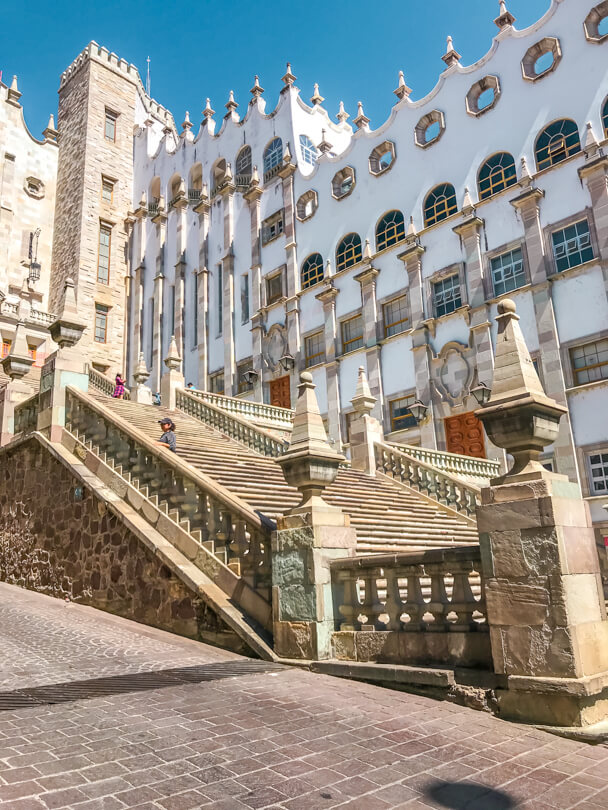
[[605, 118], [508, 271], [395, 316], [110, 125], [107, 190], [103, 257], [352, 334], [572, 246], [314, 349], [556, 143], [496, 174], [216, 382], [274, 288], [401, 416], [390, 230], [348, 251], [446, 295], [243, 384], [598, 467], [312, 270], [101, 323], [273, 156], [308, 149], [440, 204], [6, 347], [590, 362]]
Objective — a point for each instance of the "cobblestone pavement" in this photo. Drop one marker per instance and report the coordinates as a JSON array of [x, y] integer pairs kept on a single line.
[[144, 719]]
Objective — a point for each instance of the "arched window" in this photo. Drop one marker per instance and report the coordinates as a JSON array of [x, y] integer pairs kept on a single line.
[[243, 166], [308, 149], [605, 117], [556, 143], [273, 155], [439, 204], [390, 230], [312, 270], [348, 251], [496, 174]]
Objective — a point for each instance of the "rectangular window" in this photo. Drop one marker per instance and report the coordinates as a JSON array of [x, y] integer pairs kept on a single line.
[[348, 420], [395, 316], [446, 296], [314, 349], [244, 298], [243, 384], [101, 323], [598, 467], [508, 271], [572, 246], [103, 258], [401, 416], [274, 288], [216, 382], [6, 347], [590, 362], [107, 190], [220, 299], [352, 334], [31, 352], [272, 227], [110, 125]]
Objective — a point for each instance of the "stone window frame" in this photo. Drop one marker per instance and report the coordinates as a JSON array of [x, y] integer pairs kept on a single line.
[[105, 310], [356, 313], [36, 193], [387, 299], [107, 227], [338, 180], [319, 330], [457, 268], [110, 181], [551, 228], [583, 451], [243, 178], [427, 120], [383, 148], [279, 272], [217, 375], [489, 82], [411, 432], [534, 53], [269, 223], [592, 22], [272, 158], [303, 199], [110, 114], [488, 281], [566, 358]]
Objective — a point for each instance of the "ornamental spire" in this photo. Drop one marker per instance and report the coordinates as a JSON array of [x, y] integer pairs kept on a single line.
[[186, 124], [451, 56], [316, 97], [325, 145], [13, 92], [208, 112], [505, 18], [231, 106], [342, 114], [361, 121], [256, 91], [525, 178], [412, 233], [467, 203], [591, 145], [402, 91], [288, 79]]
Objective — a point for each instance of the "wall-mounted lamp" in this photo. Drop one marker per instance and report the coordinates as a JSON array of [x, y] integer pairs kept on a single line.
[[481, 393], [287, 362], [418, 410], [250, 376]]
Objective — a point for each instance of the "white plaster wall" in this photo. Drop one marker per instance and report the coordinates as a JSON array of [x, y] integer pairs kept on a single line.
[[398, 373], [587, 411], [349, 373], [581, 306], [318, 378]]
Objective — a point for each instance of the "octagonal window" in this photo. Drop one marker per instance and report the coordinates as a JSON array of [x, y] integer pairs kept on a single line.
[[306, 205], [429, 129], [596, 23], [343, 183], [483, 95], [541, 59], [382, 158]]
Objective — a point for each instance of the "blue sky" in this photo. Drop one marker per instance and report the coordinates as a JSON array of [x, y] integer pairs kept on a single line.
[[353, 48]]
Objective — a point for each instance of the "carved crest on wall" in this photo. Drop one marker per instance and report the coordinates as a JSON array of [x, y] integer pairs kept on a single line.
[[274, 346], [453, 370]]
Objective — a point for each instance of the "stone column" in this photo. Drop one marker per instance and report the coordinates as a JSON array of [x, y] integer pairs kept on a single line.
[[202, 338], [307, 539], [178, 314], [173, 377], [367, 280], [544, 596], [157, 326], [594, 173], [328, 298], [365, 429], [528, 206], [253, 195], [16, 365], [292, 303], [230, 380]]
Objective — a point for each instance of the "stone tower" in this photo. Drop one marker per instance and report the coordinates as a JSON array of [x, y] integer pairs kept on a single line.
[[101, 100]]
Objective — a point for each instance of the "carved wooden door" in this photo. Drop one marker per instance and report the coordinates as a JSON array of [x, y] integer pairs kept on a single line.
[[279, 392], [464, 435]]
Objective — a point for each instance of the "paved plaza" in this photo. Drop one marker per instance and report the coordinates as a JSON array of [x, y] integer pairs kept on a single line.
[[99, 713]]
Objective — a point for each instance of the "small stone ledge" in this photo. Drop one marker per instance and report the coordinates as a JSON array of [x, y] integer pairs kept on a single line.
[[595, 735], [577, 687], [387, 673]]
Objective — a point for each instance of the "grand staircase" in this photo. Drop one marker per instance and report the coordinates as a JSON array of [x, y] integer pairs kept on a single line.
[[388, 517]]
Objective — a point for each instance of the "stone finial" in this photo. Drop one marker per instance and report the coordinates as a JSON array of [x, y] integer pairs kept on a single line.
[[143, 200], [310, 464], [255, 177], [173, 360], [228, 173], [342, 115], [402, 91], [208, 112], [231, 104], [505, 18], [67, 330], [328, 269], [288, 79], [361, 121], [256, 91], [412, 233], [14, 95], [451, 55], [287, 154], [186, 124], [591, 145], [316, 97], [367, 251], [141, 373], [363, 402], [205, 191], [49, 132], [467, 203], [324, 146], [519, 416], [525, 178], [18, 362]]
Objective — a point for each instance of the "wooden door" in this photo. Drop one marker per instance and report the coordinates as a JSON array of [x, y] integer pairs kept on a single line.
[[279, 392], [464, 435]]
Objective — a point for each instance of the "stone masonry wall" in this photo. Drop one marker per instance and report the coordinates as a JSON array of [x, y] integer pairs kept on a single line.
[[58, 538]]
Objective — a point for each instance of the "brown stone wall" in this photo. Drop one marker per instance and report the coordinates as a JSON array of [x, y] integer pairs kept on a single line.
[[58, 538]]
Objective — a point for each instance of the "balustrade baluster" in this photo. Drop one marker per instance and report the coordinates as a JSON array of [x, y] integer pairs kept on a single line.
[[463, 601], [394, 605], [349, 605], [438, 604], [372, 607], [414, 605]]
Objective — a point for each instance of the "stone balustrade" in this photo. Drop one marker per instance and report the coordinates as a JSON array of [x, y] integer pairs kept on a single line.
[[34, 316], [104, 384], [427, 479], [269, 415], [468, 467], [232, 425], [218, 521], [26, 415]]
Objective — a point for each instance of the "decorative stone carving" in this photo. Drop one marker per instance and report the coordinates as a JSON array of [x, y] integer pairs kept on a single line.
[[274, 346], [453, 372]]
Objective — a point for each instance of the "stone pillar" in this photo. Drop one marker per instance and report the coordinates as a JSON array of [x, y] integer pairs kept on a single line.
[[230, 380], [594, 173], [178, 312], [544, 596], [140, 392], [173, 377], [160, 221], [528, 206], [367, 280], [253, 195], [328, 298], [292, 303], [307, 538], [16, 365], [202, 338], [365, 429]]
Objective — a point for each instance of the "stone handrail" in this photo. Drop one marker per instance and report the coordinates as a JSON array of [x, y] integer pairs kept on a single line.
[[269, 415], [411, 591], [220, 522], [256, 438], [427, 479], [41, 318], [26, 415], [10, 308], [469, 466], [104, 384]]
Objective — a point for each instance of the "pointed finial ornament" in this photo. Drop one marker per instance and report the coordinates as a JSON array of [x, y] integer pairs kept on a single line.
[[208, 112], [367, 251], [187, 123], [325, 145], [525, 178], [140, 372], [14, 95], [363, 402], [18, 362], [173, 360], [255, 177], [505, 18], [231, 104], [67, 329], [342, 115], [328, 269], [316, 97], [451, 55], [256, 91], [402, 91], [467, 203], [412, 233], [361, 121], [50, 133], [288, 79], [287, 154], [591, 146], [228, 173]]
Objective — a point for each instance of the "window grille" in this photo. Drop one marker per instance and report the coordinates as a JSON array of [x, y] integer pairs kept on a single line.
[[496, 174], [598, 467], [508, 271], [273, 157], [312, 271], [590, 362], [390, 230], [396, 318], [440, 204], [557, 142], [308, 150], [348, 252], [572, 245], [446, 295]]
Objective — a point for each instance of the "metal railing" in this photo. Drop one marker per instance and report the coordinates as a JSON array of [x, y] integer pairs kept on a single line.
[[269, 415], [256, 438], [412, 591], [152, 209], [242, 180], [271, 173], [427, 479], [467, 466], [26, 415], [194, 196], [104, 384]]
